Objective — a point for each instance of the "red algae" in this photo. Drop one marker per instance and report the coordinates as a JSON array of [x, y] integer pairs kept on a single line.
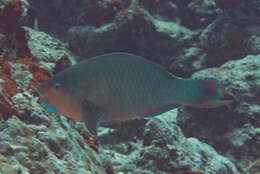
[[39, 74], [10, 88], [10, 16], [9, 85], [91, 140], [10, 22]]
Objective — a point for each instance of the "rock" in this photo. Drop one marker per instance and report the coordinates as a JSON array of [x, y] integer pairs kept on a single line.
[[20, 101], [48, 50], [22, 71], [229, 35], [170, 9], [135, 34], [191, 59], [38, 149], [11, 167], [21, 74], [203, 12], [232, 130], [54, 17], [89, 36], [223, 41], [158, 146], [38, 116], [247, 135], [161, 30], [254, 167], [253, 44], [32, 140], [121, 36]]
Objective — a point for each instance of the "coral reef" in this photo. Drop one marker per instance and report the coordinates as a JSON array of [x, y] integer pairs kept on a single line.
[[183, 36], [158, 146], [45, 148], [20, 57], [26, 147], [235, 131], [254, 167], [98, 13], [10, 16], [222, 36]]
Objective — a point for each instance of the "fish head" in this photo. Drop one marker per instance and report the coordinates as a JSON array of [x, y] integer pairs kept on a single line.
[[51, 95], [213, 94], [56, 97]]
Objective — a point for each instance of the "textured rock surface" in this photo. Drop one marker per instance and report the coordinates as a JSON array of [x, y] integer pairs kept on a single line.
[[47, 50], [45, 146], [158, 146], [233, 130], [137, 35], [32, 140], [183, 36]]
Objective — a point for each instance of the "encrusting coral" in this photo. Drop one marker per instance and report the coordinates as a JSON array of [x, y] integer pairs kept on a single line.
[[12, 31]]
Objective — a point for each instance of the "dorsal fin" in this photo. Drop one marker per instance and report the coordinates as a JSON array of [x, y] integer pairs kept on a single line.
[[140, 58]]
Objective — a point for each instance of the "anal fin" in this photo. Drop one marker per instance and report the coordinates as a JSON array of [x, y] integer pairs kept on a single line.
[[107, 123], [92, 114], [161, 110]]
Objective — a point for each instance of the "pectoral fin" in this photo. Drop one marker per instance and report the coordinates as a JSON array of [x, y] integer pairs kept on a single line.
[[91, 114]]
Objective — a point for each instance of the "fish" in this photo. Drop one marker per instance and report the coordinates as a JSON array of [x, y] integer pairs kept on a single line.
[[120, 86]]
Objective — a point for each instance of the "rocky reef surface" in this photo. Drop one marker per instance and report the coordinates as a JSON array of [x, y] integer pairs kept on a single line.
[[234, 131], [159, 146], [214, 39]]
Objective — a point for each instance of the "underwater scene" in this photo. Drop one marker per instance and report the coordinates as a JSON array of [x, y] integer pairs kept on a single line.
[[129, 86]]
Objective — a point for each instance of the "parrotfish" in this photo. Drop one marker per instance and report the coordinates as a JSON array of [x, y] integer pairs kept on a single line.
[[121, 86]]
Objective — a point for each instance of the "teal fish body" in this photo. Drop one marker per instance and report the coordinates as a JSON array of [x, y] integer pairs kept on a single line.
[[120, 86]]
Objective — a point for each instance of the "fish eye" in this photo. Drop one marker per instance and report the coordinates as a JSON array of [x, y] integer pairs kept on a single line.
[[57, 85]]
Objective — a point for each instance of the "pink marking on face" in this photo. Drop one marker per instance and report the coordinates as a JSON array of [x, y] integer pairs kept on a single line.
[[219, 97], [226, 97], [63, 103]]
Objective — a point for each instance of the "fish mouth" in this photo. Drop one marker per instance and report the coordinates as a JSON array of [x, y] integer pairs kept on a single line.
[[227, 97], [45, 102], [42, 100]]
